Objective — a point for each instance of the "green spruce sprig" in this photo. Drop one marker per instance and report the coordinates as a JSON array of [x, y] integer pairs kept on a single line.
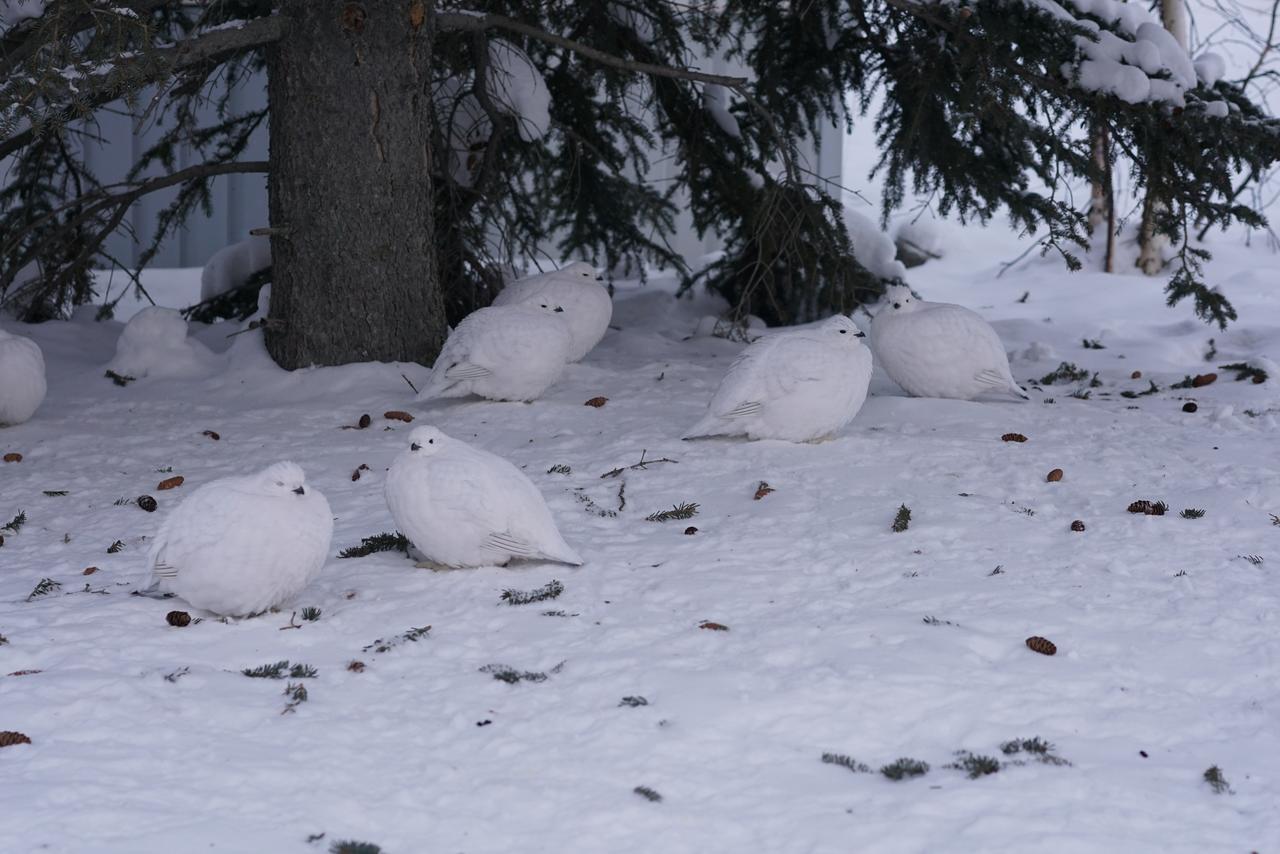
[[44, 588], [15, 523], [905, 768], [411, 636], [975, 765], [902, 519], [1065, 372], [1245, 371], [550, 590], [679, 511], [280, 670], [1213, 776], [846, 762], [383, 542]]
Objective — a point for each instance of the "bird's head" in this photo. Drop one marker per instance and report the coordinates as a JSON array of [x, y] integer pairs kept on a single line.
[[283, 479], [426, 440], [581, 270], [899, 299], [843, 328]]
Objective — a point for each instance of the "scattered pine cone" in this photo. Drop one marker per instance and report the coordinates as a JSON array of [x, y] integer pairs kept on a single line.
[[715, 627], [1136, 375], [171, 482], [178, 618], [1259, 379], [690, 531], [1054, 476], [1013, 437], [1044, 646], [1077, 525], [1203, 380], [89, 570], [13, 458], [1149, 508], [763, 489], [355, 475], [397, 415], [356, 666], [1189, 406], [597, 402], [146, 502], [212, 434], [8, 738], [25, 672], [364, 421]]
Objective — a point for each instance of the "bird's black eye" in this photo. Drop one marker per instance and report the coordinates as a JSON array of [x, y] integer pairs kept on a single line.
[[415, 447], [431, 441], [559, 309], [844, 331], [897, 305]]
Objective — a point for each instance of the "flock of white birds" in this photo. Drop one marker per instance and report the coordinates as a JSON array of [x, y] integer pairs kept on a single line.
[[242, 545]]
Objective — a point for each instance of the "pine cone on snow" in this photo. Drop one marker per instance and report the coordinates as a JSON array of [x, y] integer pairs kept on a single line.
[[8, 738], [1044, 646]]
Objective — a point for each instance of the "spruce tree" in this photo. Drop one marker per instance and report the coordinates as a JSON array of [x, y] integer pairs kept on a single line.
[[411, 160]]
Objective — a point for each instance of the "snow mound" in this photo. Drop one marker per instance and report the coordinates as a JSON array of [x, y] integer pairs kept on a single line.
[[716, 99], [155, 344], [872, 247], [231, 266], [1210, 68]]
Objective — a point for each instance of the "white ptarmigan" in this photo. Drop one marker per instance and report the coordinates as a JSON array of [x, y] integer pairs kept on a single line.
[[801, 385], [508, 352], [588, 308], [22, 383], [240, 545], [461, 506], [937, 349]]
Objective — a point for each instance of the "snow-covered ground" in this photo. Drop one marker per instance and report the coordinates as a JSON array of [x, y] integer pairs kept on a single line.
[[843, 636]]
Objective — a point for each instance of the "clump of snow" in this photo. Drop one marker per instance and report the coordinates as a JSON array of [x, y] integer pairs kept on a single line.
[[639, 23], [1210, 68], [918, 236], [716, 99], [231, 266], [14, 12], [516, 85], [155, 344], [872, 247], [1218, 109]]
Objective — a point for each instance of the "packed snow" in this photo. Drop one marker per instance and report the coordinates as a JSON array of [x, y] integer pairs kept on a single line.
[[155, 344], [873, 248], [712, 660], [231, 266]]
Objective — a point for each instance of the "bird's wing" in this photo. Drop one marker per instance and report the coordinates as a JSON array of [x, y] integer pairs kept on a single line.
[[508, 543], [197, 524], [459, 371], [769, 373], [969, 334]]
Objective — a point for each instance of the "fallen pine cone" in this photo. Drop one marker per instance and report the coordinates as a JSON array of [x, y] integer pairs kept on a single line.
[[715, 627], [1136, 375], [146, 502], [355, 475], [212, 434], [1149, 508], [171, 482], [597, 402], [1203, 380], [763, 489], [1259, 379], [397, 415], [89, 570], [178, 618], [1189, 406], [364, 421], [25, 672], [690, 531], [356, 667], [1013, 437], [1077, 525], [8, 738], [1044, 646], [1054, 476], [13, 458]]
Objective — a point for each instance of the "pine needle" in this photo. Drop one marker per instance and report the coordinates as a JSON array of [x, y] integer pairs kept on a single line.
[[1153, 389], [550, 590], [505, 673], [647, 793], [411, 636], [44, 588], [1213, 776], [383, 542], [1191, 513], [679, 511], [904, 768], [119, 379], [902, 520], [1245, 371], [975, 765], [297, 694], [846, 762], [15, 523], [1065, 372], [280, 670]]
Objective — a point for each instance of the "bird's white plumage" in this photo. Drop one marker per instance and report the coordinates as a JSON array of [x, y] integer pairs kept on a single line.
[[461, 506], [937, 349], [241, 545], [22, 382], [800, 385], [588, 308], [509, 352]]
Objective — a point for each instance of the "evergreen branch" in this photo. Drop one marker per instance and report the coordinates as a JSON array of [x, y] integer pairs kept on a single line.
[[679, 511], [846, 762], [411, 636], [384, 542], [471, 22], [15, 523], [904, 768], [281, 669], [550, 590], [902, 519], [44, 588]]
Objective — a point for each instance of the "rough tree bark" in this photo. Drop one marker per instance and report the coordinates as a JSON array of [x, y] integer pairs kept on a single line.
[[1152, 241], [354, 264]]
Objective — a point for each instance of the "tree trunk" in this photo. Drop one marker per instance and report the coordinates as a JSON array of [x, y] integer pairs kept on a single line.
[[1152, 241], [354, 263]]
